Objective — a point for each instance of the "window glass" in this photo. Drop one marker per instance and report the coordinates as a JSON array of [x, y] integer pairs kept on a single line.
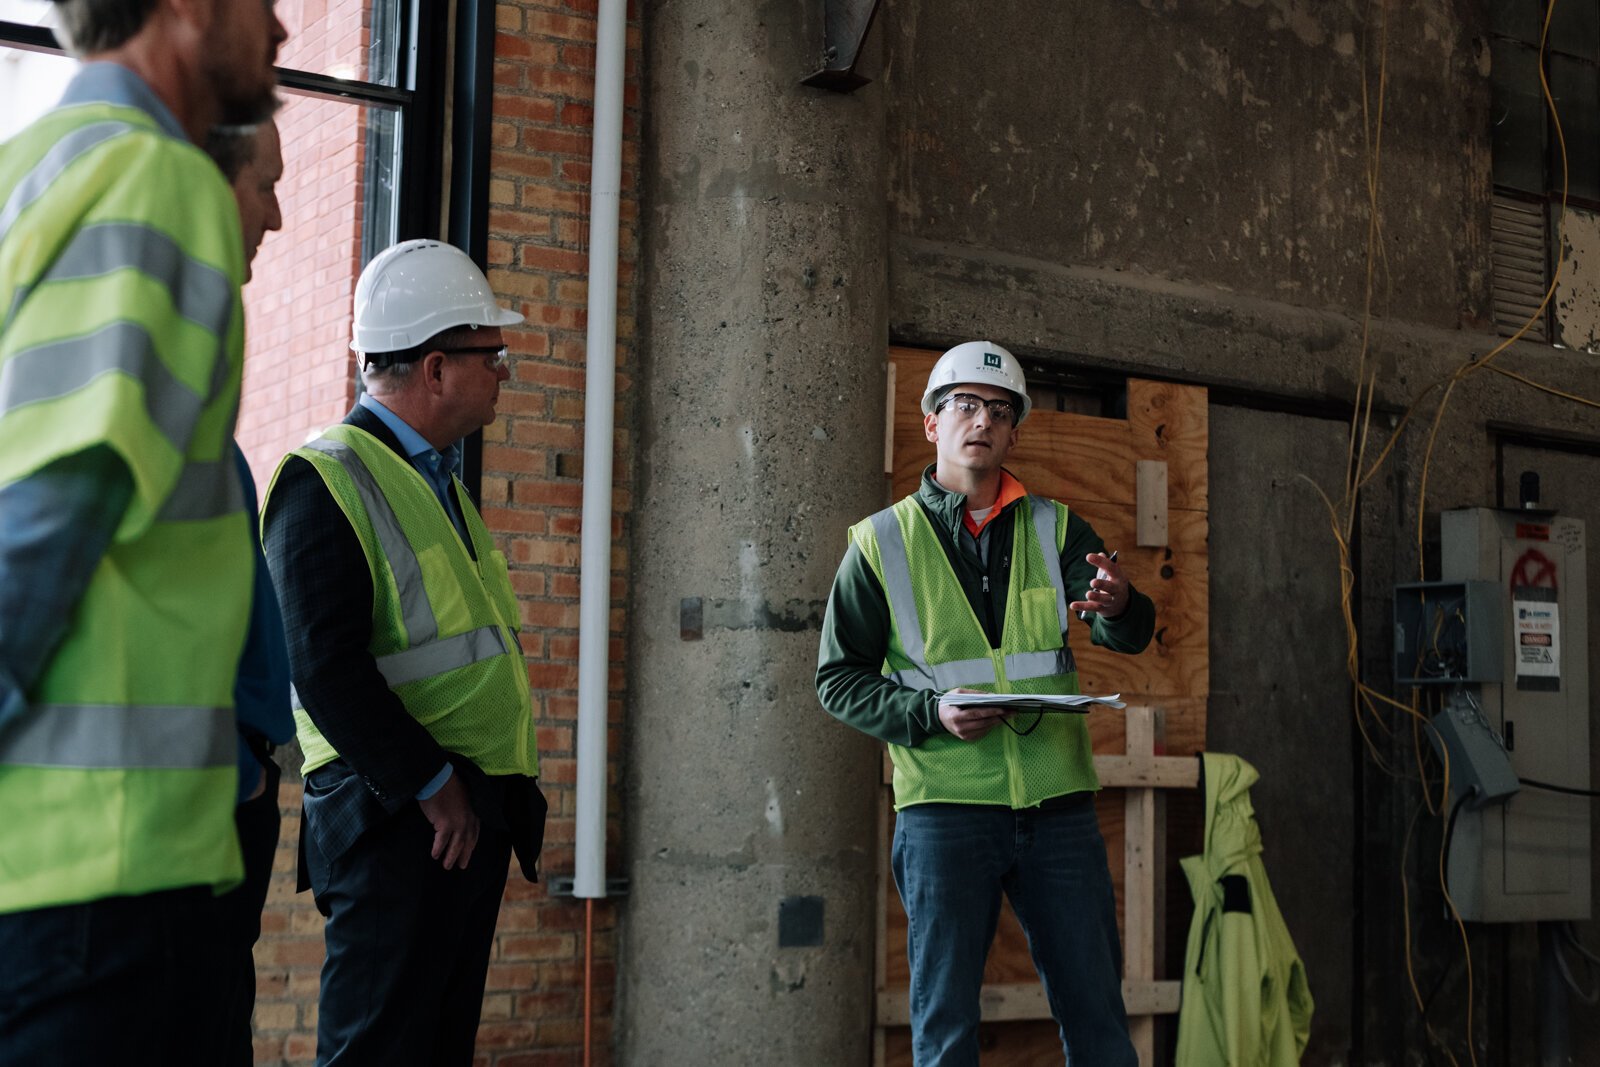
[[1520, 20], [30, 82], [30, 85], [1575, 84], [1575, 29], [1518, 118], [357, 40]]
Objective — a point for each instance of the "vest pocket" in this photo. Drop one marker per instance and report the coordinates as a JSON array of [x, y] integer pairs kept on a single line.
[[497, 579], [450, 612], [1040, 627]]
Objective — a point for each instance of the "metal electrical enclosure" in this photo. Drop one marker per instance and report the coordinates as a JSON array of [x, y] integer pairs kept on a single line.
[[1446, 633], [1527, 858]]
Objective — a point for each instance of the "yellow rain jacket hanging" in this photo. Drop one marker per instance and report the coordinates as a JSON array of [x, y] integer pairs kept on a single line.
[[1245, 998]]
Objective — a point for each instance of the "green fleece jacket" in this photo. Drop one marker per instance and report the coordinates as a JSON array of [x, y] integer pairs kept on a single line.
[[855, 630]]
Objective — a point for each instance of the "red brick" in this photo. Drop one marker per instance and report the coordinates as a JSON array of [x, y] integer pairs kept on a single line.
[[558, 142], [537, 947], [556, 259], [511, 520], [508, 1034], [564, 27], [289, 951], [510, 975], [558, 494], [553, 676], [579, 85], [546, 1005], [300, 1048], [527, 108], [554, 739]]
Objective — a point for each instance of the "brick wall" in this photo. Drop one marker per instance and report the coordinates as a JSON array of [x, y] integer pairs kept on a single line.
[[299, 378], [532, 488], [299, 372]]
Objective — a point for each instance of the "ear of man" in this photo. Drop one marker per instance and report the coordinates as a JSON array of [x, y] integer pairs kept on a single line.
[[433, 371]]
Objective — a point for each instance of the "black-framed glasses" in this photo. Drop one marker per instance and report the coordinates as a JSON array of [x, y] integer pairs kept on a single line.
[[967, 404], [501, 353]]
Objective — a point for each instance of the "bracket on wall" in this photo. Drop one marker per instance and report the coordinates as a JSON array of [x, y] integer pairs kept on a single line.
[[847, 23]]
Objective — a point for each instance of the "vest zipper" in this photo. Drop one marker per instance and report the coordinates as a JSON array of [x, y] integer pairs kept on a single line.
[[988, 613]]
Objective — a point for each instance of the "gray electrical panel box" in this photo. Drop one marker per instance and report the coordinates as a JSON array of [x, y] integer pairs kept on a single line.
[[1447, 632], [1527, 858]]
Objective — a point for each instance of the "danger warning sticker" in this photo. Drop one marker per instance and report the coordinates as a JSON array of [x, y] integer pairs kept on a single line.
[[1538, 629]]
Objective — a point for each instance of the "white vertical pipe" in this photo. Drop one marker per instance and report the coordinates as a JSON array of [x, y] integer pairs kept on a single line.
[[594, 608]]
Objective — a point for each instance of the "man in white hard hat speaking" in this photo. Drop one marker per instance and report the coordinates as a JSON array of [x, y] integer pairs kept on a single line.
[[968, 586], [414, 712]]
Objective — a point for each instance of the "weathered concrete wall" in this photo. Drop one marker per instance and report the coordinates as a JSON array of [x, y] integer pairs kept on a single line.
[[1196, 140], [764, 342], [1278, 698]]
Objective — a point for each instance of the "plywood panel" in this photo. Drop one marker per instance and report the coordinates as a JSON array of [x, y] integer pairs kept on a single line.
[[1089, 463]]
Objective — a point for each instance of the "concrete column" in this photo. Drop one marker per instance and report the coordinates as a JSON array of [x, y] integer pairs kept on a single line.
[[751, 814]]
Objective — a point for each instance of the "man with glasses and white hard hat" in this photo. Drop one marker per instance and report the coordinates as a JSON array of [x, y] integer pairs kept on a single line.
[[413, 709], [968, 586]]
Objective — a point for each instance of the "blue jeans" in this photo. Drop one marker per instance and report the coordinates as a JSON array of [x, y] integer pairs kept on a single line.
[[951, 863]]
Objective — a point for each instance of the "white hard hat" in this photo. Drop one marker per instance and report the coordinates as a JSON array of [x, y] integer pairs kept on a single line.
[[977, 363], [417, 289]]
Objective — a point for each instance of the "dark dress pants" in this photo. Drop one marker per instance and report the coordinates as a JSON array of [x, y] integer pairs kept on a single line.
[[408, 943], [111, 981], [239, 926]]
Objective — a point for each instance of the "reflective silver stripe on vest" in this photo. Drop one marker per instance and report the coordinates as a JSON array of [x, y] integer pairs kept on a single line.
[[902, 598], [1025, 665], [1044, 527], [960, 672], [205, 490], [108, 736], [59, 368], [49, 168], [442, 656], [967, 672], [200, 293], [416, 614]]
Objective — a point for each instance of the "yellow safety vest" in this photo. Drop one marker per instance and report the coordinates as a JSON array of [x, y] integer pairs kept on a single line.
[[120, 327], [444, 626], [936, 642]]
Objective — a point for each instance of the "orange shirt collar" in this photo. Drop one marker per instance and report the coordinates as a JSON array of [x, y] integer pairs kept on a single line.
[[1010, 490]]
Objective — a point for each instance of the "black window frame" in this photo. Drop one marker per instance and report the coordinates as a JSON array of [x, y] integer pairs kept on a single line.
[[1515, 30], [428, 196]]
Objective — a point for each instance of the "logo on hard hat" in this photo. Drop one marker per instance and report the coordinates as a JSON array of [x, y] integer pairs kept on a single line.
[[992, 359]]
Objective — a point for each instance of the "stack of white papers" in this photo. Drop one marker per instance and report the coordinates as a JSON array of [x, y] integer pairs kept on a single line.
[[1080, 703]]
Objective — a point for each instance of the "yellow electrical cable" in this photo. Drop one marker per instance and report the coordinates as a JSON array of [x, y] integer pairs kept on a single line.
[[1545, 388], [1367, 701], [1405, 915]]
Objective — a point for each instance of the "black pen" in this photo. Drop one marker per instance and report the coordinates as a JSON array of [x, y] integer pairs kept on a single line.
[[1083, 616]]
